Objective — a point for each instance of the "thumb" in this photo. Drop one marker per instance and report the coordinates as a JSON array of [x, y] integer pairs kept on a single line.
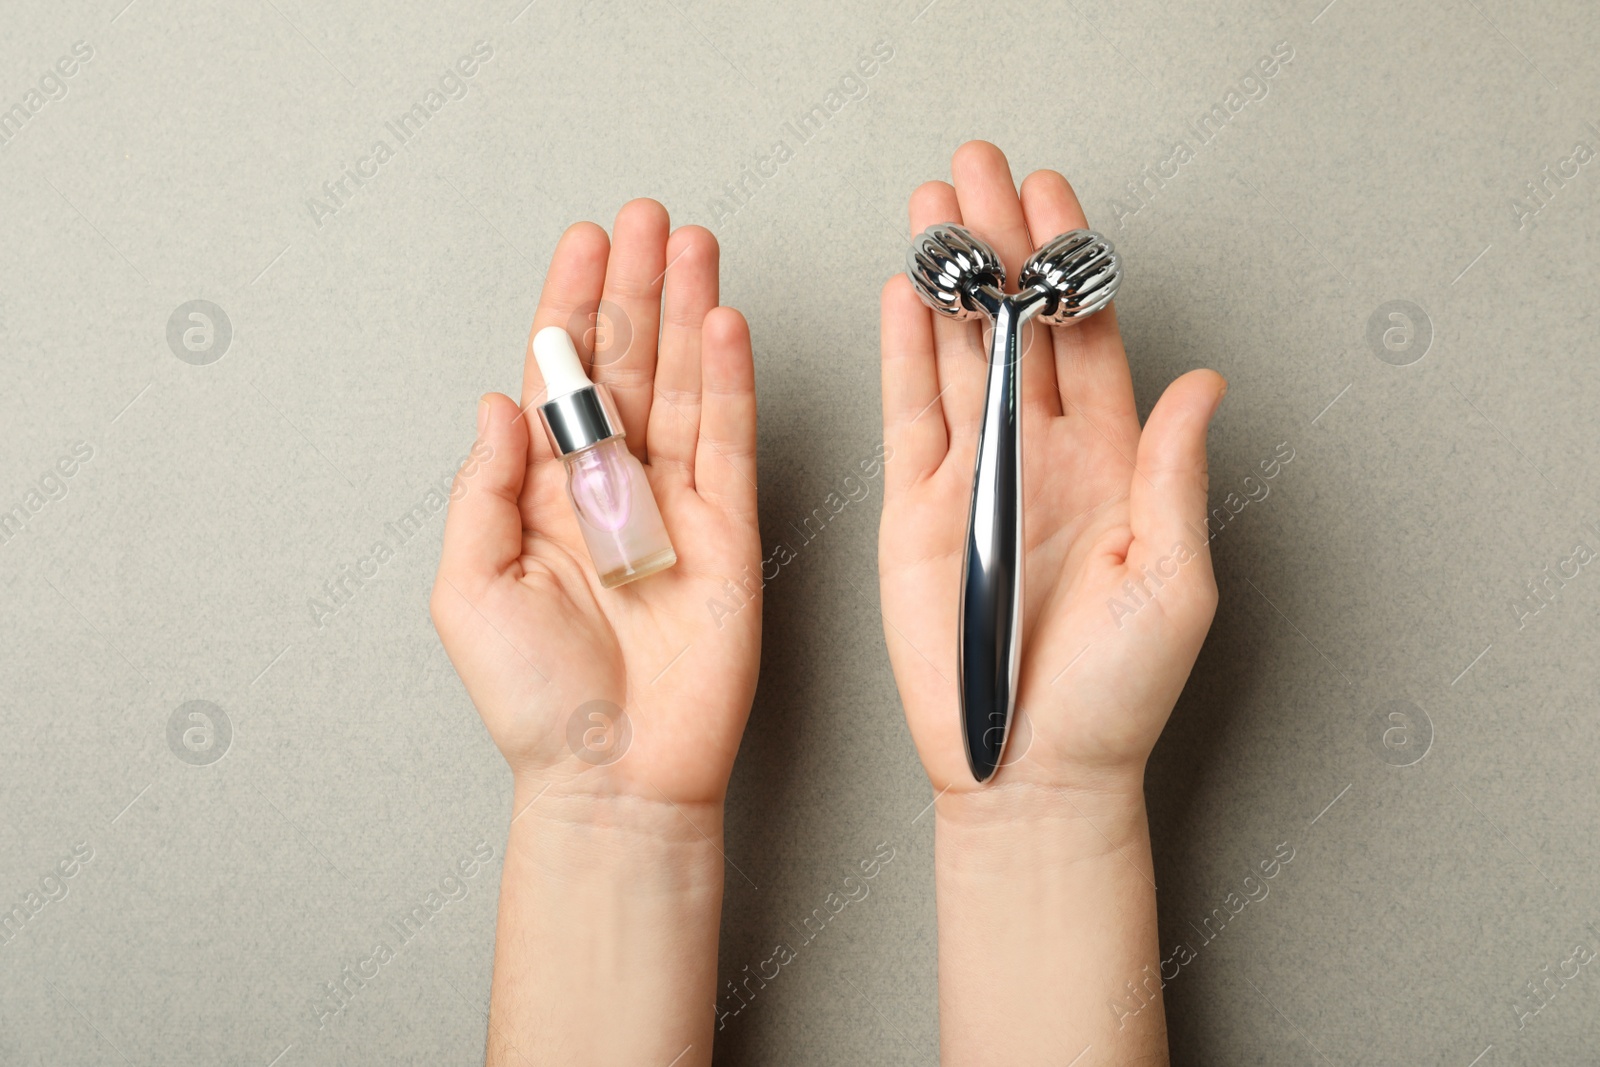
[[483, 533], [1167, 503]]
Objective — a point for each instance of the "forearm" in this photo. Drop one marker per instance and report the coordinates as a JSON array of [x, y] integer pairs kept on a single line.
[[606, 950], [1047, 913]]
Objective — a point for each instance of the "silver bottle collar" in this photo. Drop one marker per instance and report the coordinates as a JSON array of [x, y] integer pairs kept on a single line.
[[580, 419]]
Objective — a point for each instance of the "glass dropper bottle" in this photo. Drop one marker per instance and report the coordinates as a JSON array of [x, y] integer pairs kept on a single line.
[[610, 492]]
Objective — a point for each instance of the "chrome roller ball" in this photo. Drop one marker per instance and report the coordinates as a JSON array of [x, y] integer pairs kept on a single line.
[[1078, 272], [948, 265]]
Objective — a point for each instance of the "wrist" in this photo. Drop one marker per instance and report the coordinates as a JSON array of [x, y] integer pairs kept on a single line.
[[609, 909], [603, 835], [1024, 825], [594, 797], [1019, 794], [1047, 908]]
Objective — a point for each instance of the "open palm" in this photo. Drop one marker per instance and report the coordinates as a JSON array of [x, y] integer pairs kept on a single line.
[[641, 690], [1105, 503]]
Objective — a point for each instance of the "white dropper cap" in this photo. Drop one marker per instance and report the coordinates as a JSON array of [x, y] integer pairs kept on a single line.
[[558, 363]]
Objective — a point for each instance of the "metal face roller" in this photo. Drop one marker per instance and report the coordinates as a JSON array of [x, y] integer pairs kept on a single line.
[[961, 277]]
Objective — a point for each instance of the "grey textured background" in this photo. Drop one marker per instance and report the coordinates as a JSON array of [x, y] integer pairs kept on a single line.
[[1380, 573]]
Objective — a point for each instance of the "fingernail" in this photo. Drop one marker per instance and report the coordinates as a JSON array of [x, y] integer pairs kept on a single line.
[[1217, 403], [483, 415]]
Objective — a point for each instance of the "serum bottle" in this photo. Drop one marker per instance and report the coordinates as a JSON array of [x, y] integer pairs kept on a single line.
[[610, 494]]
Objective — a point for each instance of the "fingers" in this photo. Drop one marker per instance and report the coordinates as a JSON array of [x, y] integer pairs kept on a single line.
[[725, 456], [913, 419], [577, 274], [958, 346], [1167, 503], [689, 292], [1050, 205], [989, 204], [629, 315], [483, 531], [1091, 368]]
